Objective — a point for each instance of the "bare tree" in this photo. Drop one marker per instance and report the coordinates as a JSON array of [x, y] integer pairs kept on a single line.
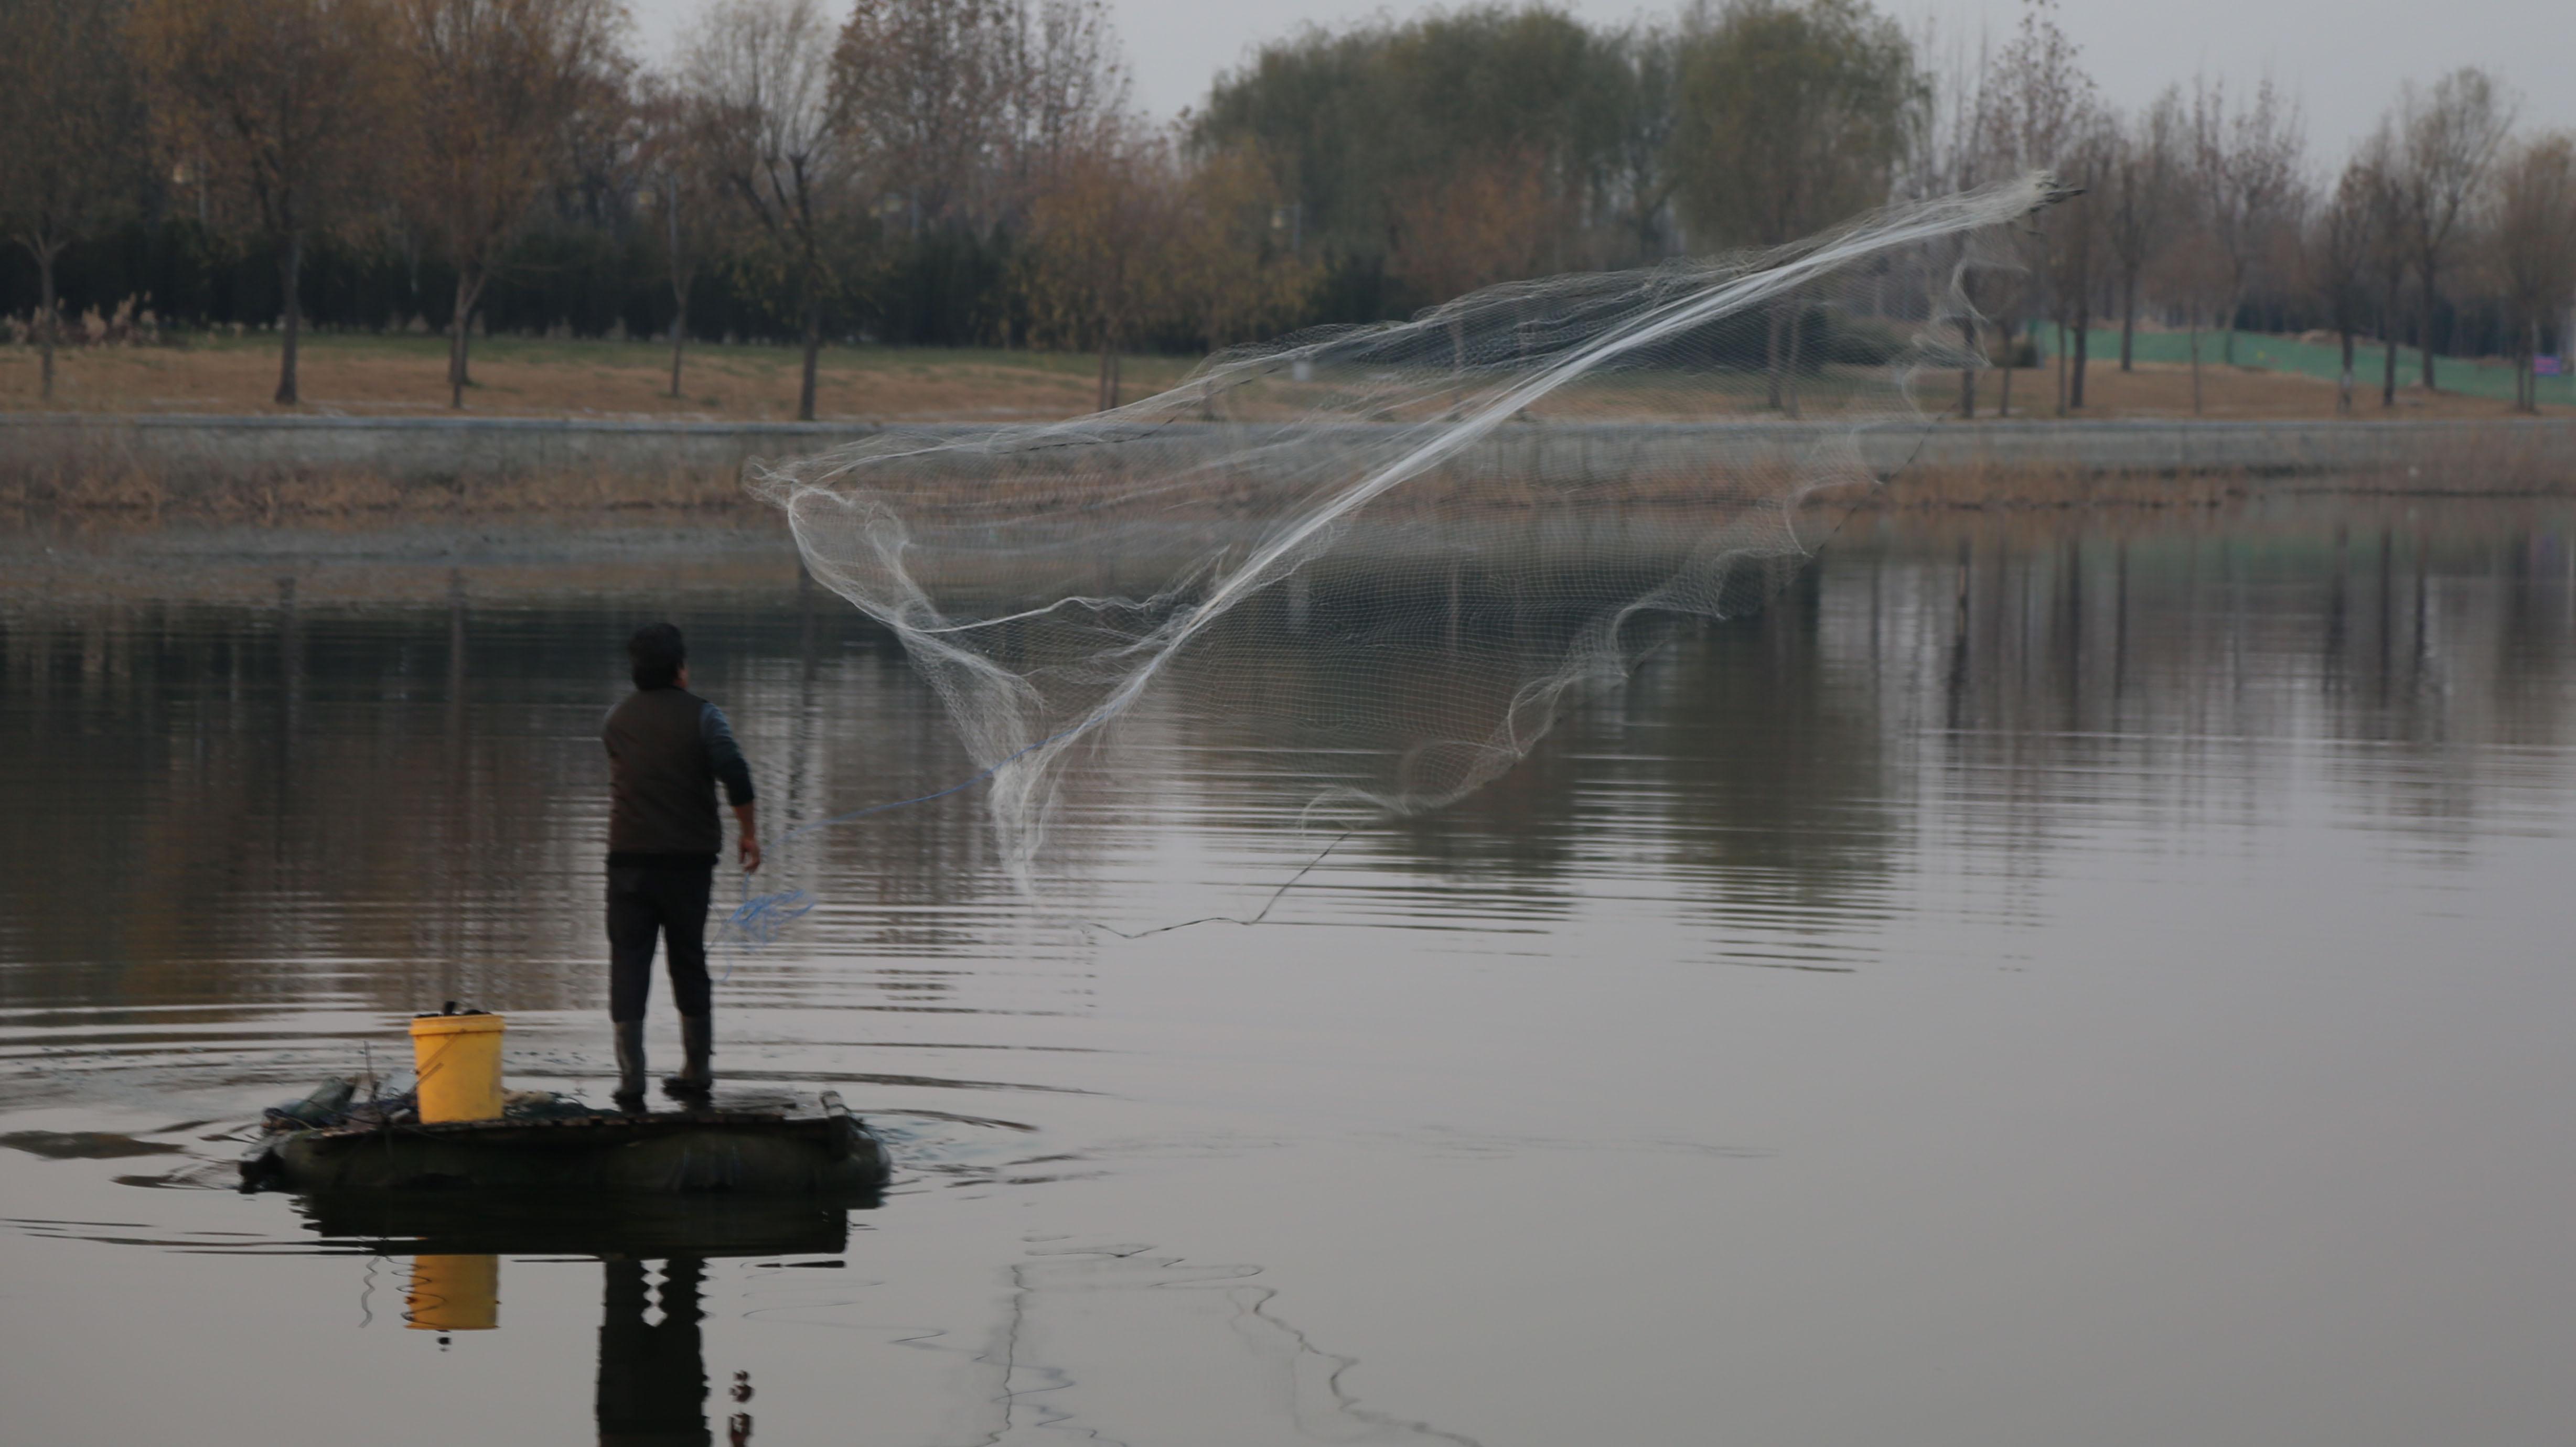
[[2036, 105], [2336, 255], [497, 85], [687, 195], [2078, 245], [2194, 274], [1065, 79], [2446, 144], [1642, 178], [2145, 200], [71, 121], [2246, 161], [2376, 168], [762, 69], [283, 102], [2533, 241], [1946, 152], [927, 86]]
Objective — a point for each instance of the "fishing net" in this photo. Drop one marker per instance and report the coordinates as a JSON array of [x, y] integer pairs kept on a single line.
[[1381, 560]]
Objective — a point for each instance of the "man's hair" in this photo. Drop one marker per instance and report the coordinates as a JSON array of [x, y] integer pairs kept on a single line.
[[657, 653]]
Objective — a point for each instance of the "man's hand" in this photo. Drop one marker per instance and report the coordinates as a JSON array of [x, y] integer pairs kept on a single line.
[[747, 836]]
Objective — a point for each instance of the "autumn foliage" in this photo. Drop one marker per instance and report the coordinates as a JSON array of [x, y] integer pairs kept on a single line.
[[975, 173]]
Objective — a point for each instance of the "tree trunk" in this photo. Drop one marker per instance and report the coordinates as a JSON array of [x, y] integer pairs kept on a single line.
[[2012, 343], [1968, 375], [2424, 334], [2343, 383], [679, 336], [2531, 366], [2194, 321], [813, 350], [1771, 357], [2227, 347], [1789, 372], [1106, 395], [469, 293], [679, 277], [290, 272], [2388, 343], [2128, 316], [2083, 354], [2060, 361], [48, 319], [1457, 365]]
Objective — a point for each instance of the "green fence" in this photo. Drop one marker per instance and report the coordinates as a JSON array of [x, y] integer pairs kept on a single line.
[[2320, 359]]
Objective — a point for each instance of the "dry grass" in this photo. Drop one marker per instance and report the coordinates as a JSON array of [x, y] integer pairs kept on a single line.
[[369, 375], [406, 376], [340, 499], [2163, 390], [331, 496]]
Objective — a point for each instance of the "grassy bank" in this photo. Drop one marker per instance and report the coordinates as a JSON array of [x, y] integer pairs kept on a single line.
[[372, 375], [375, 375]]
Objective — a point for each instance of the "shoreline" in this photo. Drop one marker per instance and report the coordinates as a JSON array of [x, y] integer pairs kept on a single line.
[[272, 471], [532, 559]]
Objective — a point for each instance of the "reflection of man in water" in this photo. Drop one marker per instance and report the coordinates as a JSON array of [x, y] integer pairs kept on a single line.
[[652, 1376], [667, 750]]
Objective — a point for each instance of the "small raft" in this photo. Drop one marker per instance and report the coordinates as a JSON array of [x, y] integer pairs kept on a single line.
[[590, 1153]]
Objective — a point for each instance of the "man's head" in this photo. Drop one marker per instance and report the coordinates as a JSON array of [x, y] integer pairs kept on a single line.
[[658, 655]]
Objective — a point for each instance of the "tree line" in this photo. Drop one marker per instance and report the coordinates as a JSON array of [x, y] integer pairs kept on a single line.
[[974, 172], [2443, 230]]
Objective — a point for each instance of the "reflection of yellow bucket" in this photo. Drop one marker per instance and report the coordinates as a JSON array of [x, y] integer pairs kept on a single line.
[[459, 1060], [454, 1293]]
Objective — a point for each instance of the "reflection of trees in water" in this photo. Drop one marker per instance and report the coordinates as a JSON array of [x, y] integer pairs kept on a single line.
[[416, 789], [230, 791], [2163, 659]]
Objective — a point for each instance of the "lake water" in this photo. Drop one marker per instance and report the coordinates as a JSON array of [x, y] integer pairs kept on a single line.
[[2057, 978]]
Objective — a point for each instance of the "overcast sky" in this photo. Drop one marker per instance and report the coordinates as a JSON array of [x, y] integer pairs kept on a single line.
[[2344, 58]]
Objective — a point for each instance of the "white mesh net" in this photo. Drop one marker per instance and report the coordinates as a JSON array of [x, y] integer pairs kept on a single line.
[[1389, 555]]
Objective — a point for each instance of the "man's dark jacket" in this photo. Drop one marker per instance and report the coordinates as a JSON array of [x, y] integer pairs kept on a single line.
[[667, 749]]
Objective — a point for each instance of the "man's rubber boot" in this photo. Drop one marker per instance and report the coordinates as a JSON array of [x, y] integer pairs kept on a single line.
[[630, 1067], [697, 1078]]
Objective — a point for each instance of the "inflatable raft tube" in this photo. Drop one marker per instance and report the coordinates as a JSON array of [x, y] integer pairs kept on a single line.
[[671, 1153]]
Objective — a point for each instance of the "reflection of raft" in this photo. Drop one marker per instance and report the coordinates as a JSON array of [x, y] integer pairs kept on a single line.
[[413, 1223], [736, 1151]]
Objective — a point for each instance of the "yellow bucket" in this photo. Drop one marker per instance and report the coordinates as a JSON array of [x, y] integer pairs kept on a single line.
[[454, 1293], [459, 1061]]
